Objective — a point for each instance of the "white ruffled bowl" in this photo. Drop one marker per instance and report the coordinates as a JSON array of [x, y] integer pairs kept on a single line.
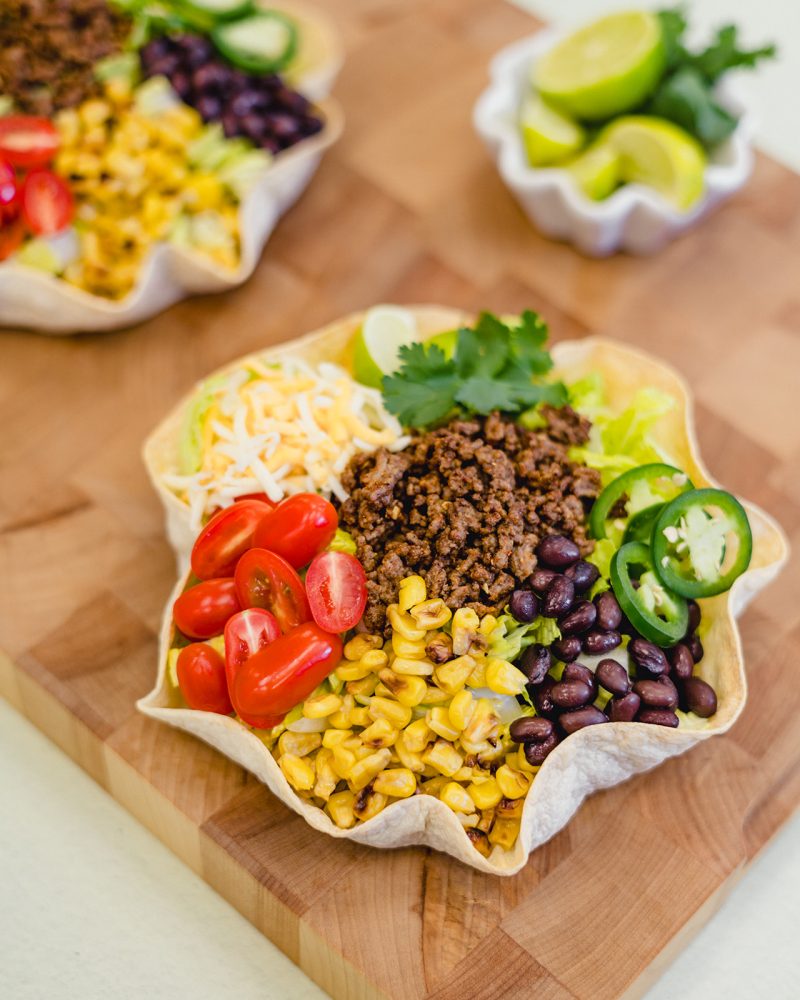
[[635, 218]]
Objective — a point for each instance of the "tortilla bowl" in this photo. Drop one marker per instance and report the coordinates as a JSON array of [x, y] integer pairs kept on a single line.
[[594, 758]]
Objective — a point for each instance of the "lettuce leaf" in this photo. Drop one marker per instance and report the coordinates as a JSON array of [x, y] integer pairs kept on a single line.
[[190, 442], [509, 637]]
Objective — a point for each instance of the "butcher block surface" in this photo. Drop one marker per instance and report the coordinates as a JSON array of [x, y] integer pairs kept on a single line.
[[408, 208]]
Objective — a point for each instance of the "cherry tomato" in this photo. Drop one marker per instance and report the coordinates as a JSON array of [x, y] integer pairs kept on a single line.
[[288, 670], [201, 675], [298, 528], [9, 194], [227, 535], [28, 141], [336, 587], [11, 235], [202, 611], [255, 496], [245, 634], [264, 580], [46, 202]]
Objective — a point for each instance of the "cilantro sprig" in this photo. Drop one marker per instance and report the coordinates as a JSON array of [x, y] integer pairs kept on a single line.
[[496, 365]]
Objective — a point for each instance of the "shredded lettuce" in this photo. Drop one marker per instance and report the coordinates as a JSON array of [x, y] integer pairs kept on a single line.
[[343, 541], [588, 395], [190, 443], [509, 637]]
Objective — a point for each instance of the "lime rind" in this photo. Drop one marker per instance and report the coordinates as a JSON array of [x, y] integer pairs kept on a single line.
[[377, 344], [549, 137]]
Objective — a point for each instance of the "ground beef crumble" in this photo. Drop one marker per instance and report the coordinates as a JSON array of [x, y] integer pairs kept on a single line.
[[465, 506]]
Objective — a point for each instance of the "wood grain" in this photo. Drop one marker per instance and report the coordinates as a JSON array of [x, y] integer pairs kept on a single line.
[[408, 208]]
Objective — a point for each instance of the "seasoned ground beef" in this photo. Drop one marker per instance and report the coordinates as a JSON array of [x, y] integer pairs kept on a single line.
[[465, 506]]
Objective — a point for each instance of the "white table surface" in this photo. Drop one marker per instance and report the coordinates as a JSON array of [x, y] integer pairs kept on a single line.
[[93, 907]]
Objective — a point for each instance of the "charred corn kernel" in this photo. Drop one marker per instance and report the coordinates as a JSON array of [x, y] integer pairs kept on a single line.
[[483, 725], [360, 716], [341, 719], [452, 676], [412, 591], [513, 784], [398, 782], [469, 820], [406, 648], [363, 688], [375, 659], [488, 625], [335, 737], [491, 753], [408, 758], [369, 804], [361, 644], [503, 677], [352, 671], [435, 696], [477, 679], [297, 771], [434, 786], [461, 710], [322, 706], [408, 690], [327, 779], [431, 614], [417, 735], [340, 807], [343, 761], [416, 668], [504, 833], [363, 771], [488, 817], [403, 623], [379, 735], [438, 720], [480, 842], [398, 715], [509, 808], [443, 757], [485, 795], [465, 627], [299, 744], [381, 691], [454, 796]]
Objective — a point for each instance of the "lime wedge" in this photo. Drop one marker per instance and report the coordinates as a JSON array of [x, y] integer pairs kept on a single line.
[[446, 340], [549, 136], [604, 69], [375, 352], [661, 155], [597, 171]]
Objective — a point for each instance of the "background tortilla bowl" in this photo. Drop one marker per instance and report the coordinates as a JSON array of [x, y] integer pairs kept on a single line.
[[592, 759]]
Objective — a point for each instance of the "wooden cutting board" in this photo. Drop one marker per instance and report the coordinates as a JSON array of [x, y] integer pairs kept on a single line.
[[408, 208]]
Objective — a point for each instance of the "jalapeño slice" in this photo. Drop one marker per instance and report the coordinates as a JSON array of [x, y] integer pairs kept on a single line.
[[640, 526], [656, 612], [701, 543], [644, 487]]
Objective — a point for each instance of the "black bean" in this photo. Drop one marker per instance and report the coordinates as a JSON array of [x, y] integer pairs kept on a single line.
[[164, 65], [197, 49], [682, 662], [623, 709], [595, 643], [571, 694], [210, 77], [246, 102], [524, 605], [657, 694], [648, 657], [535, 662], [583, 574], [658, 717], [609, 613], [695, 647], [613, 677], [541, 578], [557, 551], [209, 107], [568, 649], [182, 85], [559, 597], [571, 722], [694, 615], [543, 698], [531, 729], [579, 619], [252, 126], [230, 125], [536, 753], [699, 697], [580, 672]]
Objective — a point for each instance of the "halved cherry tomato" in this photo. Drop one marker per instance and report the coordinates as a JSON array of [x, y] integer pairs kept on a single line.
[[300, 526], [202, 611], [46, 202], [201, 676], [28, 141], [245, 634], [288, 670], [225, 538], [9, 194], [11, 235], [265, 580], [255, 496], [336, 587]]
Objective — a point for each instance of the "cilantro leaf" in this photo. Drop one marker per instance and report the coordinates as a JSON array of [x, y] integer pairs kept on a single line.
[[673, 28], [686, 99], [724, 54], [527, 343], [482, 351]]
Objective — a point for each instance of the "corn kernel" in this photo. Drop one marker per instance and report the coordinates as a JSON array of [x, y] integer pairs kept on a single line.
[[435, 696], [438, 720], [477, 679], [412, 591], [379, 735], [504, 833], [483, 726], [485, 795], [360, 717], [399, 782], [363, 771], [299, 744], [488, 625], [403, 623], [298, 772], [443, 757], [361, 644], [488, 817], [454, 796], [321, 706], [468, 820], [398, 715], [465, 627], [408, 690], [408, 758], [341, 719], [369, 804], [503, 677], [461, 710], [431, 614], [434, 786], [416, 668], [463, 774], [364, 688], [375, 659], [480, 842], [334, 737], [357, 671], [520, 762], [327, 778], [406, 648], [510, 808], [417, 735], [452, 676], [340, 806], [343, 761]]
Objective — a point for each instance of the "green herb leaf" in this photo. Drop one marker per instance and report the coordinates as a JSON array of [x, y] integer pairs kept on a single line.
[[724, 53], [673, 28], [686, 99]]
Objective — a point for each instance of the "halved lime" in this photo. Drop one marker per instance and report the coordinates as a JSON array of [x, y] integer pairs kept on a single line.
[[596, 171], [548, 136], [375, 352], [604, 69], [661, 155]]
